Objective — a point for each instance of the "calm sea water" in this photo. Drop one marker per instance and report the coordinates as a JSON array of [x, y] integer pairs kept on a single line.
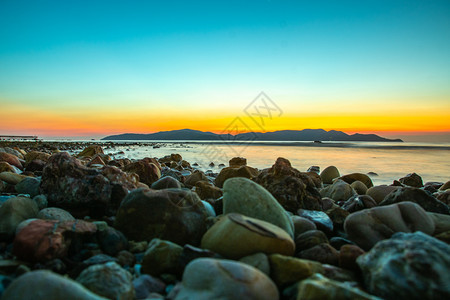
[[389, 160]]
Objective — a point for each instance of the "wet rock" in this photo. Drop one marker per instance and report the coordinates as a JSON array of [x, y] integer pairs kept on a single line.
[[310, 239], [338, 191], [190, 253], [243, 196], [259, 261], [108, 280], [206, 190], [359, 202], [43, 240], [36, 155], [329, 173], [11, 178], [291, 188], [350, 178], [237, 162], [369, 226], [90, 151], [111, 241], [425, 200], [319, 218], [83, 191], [359, 187], [323, 253], [145, 284], [337, 216], [177, 215], [148, 172], [195, 177], [413, 180], [161, 257], [379, 192], [235, 236], [320, 287], [166, 182], [229, 172], [445, 186], [302, 225], [11, 159], [441, 222], [47, 285], [208, 278], [6, 167], [408, 266], [54, 213], [348, 255], [285, 270], [29, 185], [12, 212]]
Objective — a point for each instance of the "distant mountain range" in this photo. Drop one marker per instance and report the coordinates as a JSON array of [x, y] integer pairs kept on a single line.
[[282, 135]]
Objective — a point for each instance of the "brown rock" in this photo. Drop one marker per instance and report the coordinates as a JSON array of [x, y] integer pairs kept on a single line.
[[379, 192], [206, 190], [323, 253], [195, 177], [6, 167], [11, 159], [32, 155], [350, 178], [445, 186], [348, 255], [148, 172], [413, 180], [90, 151], [229, 172], [237, 162]]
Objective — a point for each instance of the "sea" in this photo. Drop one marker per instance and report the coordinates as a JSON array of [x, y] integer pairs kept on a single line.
[[383, 161]]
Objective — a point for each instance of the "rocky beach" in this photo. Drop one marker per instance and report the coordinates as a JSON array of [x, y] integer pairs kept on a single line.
[[76, 222]]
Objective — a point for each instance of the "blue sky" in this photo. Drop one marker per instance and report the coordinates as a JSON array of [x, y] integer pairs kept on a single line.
[[192, 55]]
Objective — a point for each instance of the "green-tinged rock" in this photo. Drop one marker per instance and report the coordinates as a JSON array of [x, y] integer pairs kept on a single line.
[[318, 287], [235, 236], [46, 285], [108, 280], [161, 257], [259, 261], [243, 196], [208, 278], [407, 266], [29, 185], [285, 270], [90, 151], [54, 213], [12, 212]]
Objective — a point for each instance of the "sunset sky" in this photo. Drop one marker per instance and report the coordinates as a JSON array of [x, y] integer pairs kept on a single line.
[[94, 68]]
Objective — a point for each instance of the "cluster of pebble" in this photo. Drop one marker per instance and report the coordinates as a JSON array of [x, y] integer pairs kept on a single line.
[[87, 226]]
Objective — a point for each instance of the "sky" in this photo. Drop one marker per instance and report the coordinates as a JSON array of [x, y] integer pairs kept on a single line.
[[95, 68]]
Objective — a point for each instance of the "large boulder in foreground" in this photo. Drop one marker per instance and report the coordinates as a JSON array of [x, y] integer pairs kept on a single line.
[[408, 266], [241, 195], [208, 278], [369, 226], [83, 191], [292, 188], [47, 285], [176, 215]]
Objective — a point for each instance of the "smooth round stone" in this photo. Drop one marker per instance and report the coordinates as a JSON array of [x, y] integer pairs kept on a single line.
[[359, 187], [13, 211], [11, 178], [441, 222], [329, 173], [111, 241], [43, 284], [41, 201], [379, 192], [208, 278], [359, 202], [246, 197], [235, 236], [11, 159], [302, 225], [323, 253], [209, 209], [55, 213], [166, 182], [369, 226], [310, 239], [350, 178], [259, 261], [348, 255], [29, 185], [286, 270], [409, 266], [108, 280], [445, 186], [195, 177], [145, 285], [6, 167], [161, 257], [320, 287], [33, 155], [205, 190], [338, 191], [229, 172]]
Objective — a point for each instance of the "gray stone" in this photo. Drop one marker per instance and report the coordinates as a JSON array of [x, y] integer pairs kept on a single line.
[[161, 257], [329, 173], [338, 191], [408, 266], [29, 185], [54, 213], [13, 211], [259, 261]]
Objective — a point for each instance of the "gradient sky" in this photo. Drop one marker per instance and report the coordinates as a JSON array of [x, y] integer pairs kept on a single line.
[[94, 68]]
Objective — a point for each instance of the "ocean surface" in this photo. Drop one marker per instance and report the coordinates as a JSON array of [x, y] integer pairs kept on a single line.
[[389, 161]]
